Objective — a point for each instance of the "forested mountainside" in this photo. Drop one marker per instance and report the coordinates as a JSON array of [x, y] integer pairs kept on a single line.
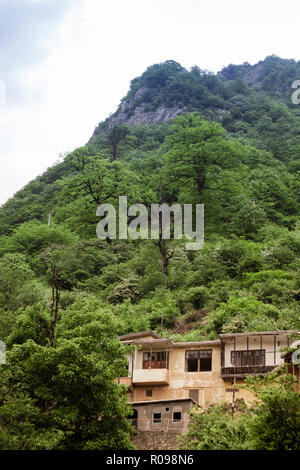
[[230, 141]]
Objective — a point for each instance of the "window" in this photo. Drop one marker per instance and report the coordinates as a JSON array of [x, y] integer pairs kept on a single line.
[[198, 361], [156, 417], [254, 357], [205, 360], [167, 410], [192, 361], [156, 360], [148, 393], [177, 416]]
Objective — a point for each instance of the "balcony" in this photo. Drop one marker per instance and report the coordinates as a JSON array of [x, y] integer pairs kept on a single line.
[[243, 371], [124, 381], [150, 376]]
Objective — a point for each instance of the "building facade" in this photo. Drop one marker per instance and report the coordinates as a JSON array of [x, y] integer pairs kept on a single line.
[[166, 378]]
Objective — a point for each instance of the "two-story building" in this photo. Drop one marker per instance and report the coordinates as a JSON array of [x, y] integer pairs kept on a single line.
[[166, 378]]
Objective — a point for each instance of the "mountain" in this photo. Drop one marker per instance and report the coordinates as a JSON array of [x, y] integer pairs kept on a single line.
[[252, 103], [229, 140], [239, 93]]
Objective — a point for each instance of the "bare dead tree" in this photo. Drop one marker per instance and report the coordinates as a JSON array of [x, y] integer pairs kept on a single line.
[[56, 280], [115, 137]]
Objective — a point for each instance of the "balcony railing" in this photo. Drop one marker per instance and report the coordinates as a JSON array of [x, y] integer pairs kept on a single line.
[[124, 381], [245, 370]]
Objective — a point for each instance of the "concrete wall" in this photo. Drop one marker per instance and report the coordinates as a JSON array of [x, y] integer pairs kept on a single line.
[[209, 384], [156, 376], [166, 409]]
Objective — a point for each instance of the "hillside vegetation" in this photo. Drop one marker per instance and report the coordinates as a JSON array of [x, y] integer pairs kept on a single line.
[[233, 146]]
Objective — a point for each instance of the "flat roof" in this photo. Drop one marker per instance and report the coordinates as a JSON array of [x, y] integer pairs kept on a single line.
[[133, 338], [258, 333], [167, 400], [215, 342], [148, 341], [168, 341], [139, 335]]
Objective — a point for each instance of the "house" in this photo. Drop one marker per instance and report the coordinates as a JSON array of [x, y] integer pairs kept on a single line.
[[163, 415], [166, 378]]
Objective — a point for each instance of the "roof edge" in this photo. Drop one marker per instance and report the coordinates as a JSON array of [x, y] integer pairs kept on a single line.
[[167, 400], [259, 333], [139, 334]]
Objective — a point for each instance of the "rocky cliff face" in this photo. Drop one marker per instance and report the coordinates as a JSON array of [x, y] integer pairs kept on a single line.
[[140, 116], [143, 117]]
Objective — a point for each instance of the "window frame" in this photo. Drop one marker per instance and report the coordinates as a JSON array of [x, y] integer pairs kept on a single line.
[[198, 354], [243, 356], [177, 420], [159, 359], [153, 418]]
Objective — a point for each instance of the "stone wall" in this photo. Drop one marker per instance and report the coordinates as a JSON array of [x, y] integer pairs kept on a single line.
[[155, 440]]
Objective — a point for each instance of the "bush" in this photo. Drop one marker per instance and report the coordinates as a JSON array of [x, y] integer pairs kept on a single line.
[[197, 296], [276, 422], [215, 429], [272, 423], [243, 314]]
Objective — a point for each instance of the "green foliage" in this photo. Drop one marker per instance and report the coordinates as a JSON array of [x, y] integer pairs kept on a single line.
[[276, 422], [7, 322], [127, 289], [32, 237], [21, 426], [198, 153], [273, 423], [239, 315], [65, 396], [197, 296], [35, 201], [162, 308], [215, 430], [32, 324], [14, 272]]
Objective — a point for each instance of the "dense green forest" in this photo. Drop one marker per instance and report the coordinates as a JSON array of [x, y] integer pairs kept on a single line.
[[235, 148]]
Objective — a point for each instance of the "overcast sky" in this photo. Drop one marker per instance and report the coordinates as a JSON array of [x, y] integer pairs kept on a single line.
[[66, 64]]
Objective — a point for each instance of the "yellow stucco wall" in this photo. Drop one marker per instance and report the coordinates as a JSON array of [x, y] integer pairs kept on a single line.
[[211, 387]]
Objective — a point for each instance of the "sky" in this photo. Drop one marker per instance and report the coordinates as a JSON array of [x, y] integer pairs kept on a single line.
[[66, 64]]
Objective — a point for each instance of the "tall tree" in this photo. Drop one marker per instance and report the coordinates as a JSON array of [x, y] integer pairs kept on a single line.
[[198, 152], [116, 135]]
